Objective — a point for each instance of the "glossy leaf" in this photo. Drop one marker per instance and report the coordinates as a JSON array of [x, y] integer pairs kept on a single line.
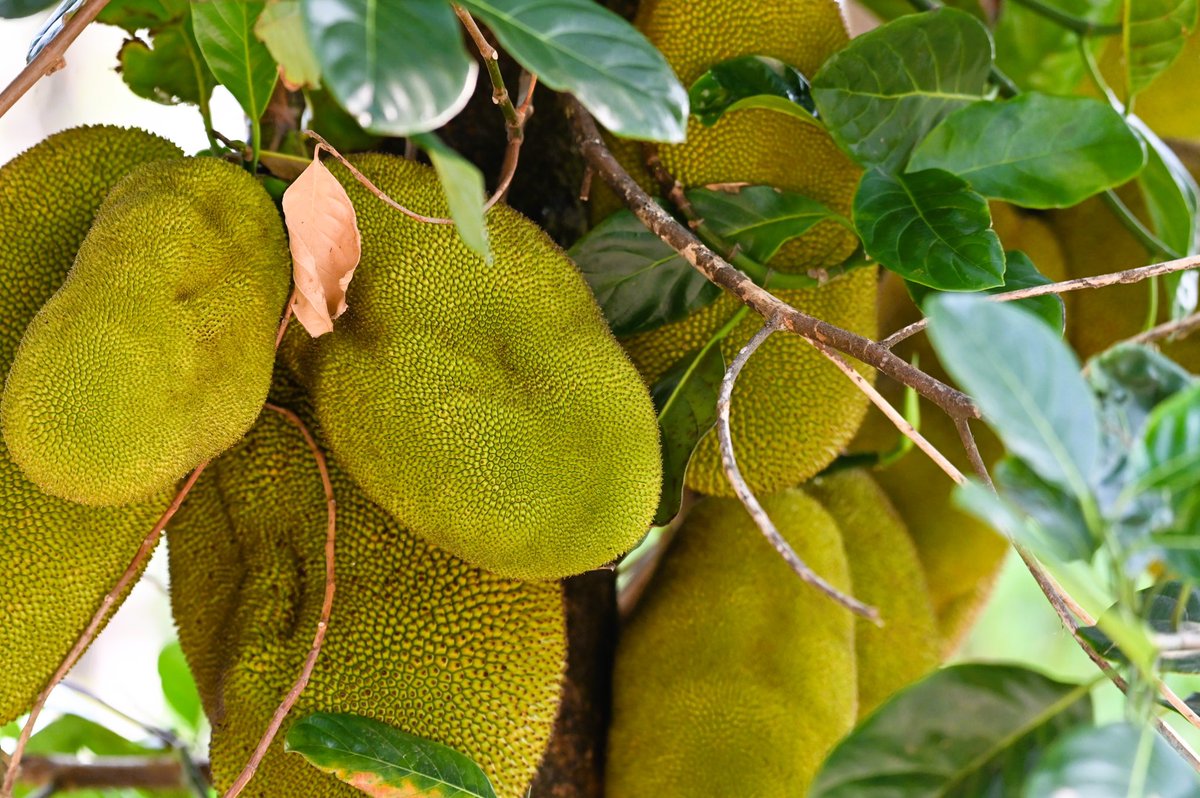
[[1101, 763], [1152, 37], [1036, 150], [579, 46], [383, 761], [225, 32], [1026, 381], [639, 281], [1020, 272], [882, 93], [178, 686], [11, 9], [758, 219], [962, 732], [751, 81], [930, 228], [465, 194], [281, 28], [398, 68], [336, 125], [1167, 607]]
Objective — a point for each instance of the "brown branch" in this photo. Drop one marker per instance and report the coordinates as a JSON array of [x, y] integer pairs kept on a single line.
[[48, 60], [135, 772], [1169, 329], [973, 455], [733, 281]]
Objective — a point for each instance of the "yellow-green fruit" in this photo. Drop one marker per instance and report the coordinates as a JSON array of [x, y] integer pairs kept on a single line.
[[156, 353], [886, 574], [59, 559], [486, 405], [734, 678], [417, 638], [792, 410]]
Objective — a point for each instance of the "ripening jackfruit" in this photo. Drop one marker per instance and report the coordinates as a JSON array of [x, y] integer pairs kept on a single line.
[[485, 405], [58, 558], [734, 678], [156, 353], [417, 638]]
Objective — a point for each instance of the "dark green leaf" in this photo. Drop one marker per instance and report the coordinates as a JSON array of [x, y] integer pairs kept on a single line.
[[71, 734], [152, 15], [930, 228], [1026, 381], [398, 68], [881, 94], [639, 281], [751, 81], [1172, 200], [225, 31], [1035, 150], [383, 761], [281, 28], [465, 194], [686, 400], [11, 9], [1167, 606], [170, 69], [178, 686], [1100, 763], [962, 732], [758, 219], [579, 46], [1153, 37], [1059, 528], [1169, 454], [1019, 273], [887, 10]]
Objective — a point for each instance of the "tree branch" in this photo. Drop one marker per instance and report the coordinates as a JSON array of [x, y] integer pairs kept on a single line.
[[1169, 329], [135, 772]]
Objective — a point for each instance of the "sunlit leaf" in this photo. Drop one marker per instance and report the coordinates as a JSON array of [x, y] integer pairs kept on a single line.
[[1152, 37], [281, 28], [242, 63], [178, 686]]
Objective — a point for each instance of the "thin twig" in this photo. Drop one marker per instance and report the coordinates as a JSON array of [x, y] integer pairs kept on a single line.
[[314, 652], [47, 61], [976, 459], [512, 152], [1169, 329], [287, 317]]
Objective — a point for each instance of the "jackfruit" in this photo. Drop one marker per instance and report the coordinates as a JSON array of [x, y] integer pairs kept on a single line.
[[59, 559], [734, 677], [886, 574], [156, 353], [485, 405], [417, 638]]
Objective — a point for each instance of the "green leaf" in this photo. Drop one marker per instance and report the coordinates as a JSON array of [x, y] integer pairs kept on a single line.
[[281, 28], [686, 400], [751, 81], [887, 10], [1019, 273], [881, 94], [1167, 606], [578, 46], [1058, 527], [1152, 37], [465, 194], [152, 15], [168, 70], [70, 734], [1102, 763], [398, 68], [639, 281], [225, 32], [930, 228], [383, 761], [336, 125], [11, 9], [1169, 454], [1026, 381], [1171, 194], [758, 219], [1035, 150], [962, 732], [178, 686], [1037, 53]]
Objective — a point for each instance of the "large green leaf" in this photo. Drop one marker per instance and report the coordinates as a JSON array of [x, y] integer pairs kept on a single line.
[[281, 28], [930, 228], [1054, 526], [166, 65], [881, 94], [1152, 37], [1036, 150], [462, 183], [1019, 272], [1039, 53], [1169, 455], [963, 732], [71, 734], [178, 686], [10, 9], [751, 81], [758, 219], [1102, 763], [383, 761], [1026, 381], [579, 46], [398, 68], [242, 63]]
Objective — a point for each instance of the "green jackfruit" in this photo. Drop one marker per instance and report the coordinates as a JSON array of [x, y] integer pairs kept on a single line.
[[59, 558], [485, 405], [887, 574], [734, 678], [156, 353], [417, 638]]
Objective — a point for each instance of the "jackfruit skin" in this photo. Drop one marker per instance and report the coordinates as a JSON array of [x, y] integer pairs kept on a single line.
[[156, 353], [887, 574], [734, 678], [450, 379], [417, 638], [59, 559], [793, 411]]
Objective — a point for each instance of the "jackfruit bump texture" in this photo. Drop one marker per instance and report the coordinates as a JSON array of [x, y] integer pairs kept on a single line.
[[450, 379], [887, 574], [58, 558], [417, 638], [156, 353], [734, 677], [792, 411]]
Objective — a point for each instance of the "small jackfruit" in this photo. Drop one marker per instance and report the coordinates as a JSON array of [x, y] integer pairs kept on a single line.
[[485, 405], [156, 353], [59, 559], [886, 574], [416, 639], [734, 677]]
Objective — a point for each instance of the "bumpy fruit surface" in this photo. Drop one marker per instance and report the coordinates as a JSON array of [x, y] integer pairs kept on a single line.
[[417, 638], [734, 678], [156, 353], [485, 405], [58, 558]]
